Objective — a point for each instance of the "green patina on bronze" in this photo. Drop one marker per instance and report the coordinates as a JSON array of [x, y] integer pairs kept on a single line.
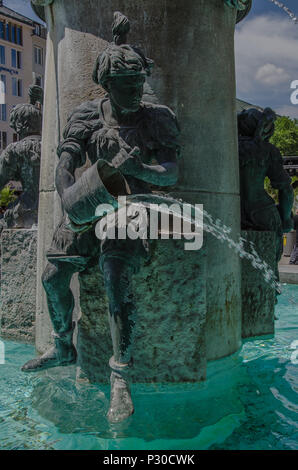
[[20, 161], [258, 158], [132, 145]]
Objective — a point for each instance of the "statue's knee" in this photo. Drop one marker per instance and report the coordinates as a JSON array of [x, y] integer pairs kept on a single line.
[[49, 278]]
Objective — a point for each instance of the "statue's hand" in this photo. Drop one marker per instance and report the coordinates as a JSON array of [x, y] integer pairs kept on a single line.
[[128, 163]]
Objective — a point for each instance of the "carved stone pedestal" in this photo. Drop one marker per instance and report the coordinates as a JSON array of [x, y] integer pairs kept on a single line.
[[170, 294], [258, 296], [18, 284]]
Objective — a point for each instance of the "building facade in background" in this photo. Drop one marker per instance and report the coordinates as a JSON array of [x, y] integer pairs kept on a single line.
[[22, 58]]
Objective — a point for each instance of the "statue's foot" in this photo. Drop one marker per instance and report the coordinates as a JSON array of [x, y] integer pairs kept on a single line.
[[51, 358], [121, 405]]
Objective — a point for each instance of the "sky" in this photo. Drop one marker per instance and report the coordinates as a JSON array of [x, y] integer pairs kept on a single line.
[[266, 48], [21, 6]]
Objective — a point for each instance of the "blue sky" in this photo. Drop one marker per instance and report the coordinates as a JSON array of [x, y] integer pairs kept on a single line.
[[266, 47], [21, 6]]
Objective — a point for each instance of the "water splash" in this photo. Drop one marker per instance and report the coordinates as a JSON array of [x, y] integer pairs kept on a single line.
[[281, 5], [216, 228]]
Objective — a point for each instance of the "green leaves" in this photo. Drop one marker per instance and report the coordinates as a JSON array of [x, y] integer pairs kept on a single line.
[[6, 196], [286, 136]]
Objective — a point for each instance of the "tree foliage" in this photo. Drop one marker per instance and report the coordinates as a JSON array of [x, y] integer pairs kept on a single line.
[[285, 138], [6, 196]]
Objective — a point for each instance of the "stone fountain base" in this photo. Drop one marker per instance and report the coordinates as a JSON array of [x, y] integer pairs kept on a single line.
[[18, 284], [258, 296], [170, 295]]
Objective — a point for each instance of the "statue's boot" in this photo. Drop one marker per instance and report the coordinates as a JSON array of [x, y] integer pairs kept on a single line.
[[62, 354], [121, 405]]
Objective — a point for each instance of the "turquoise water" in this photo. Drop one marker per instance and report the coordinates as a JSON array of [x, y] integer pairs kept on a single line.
[[248, 402]]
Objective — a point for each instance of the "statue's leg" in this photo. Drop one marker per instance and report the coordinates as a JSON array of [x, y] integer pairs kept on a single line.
[[122, 313], [56, 281]]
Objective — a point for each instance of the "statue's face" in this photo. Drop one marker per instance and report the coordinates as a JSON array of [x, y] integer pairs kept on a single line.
[[127, 91]]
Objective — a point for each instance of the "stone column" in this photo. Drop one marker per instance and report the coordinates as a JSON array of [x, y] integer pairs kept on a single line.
[[192, 44], [70, 55]]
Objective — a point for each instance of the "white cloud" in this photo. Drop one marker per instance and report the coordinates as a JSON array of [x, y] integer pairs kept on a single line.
[[266, 60], [269, 74], [291, 111]]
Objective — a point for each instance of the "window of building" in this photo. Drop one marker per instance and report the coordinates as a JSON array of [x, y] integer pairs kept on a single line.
[[14, 137], [37, 30], [20, 87], [8, 32], [38, 55], [19, 59], [13, 58], [14, 86], [16, 58], [2, 30], [2, 54], [3, 140], [13, 33], [19, 35], [17, 87], [2, 112]]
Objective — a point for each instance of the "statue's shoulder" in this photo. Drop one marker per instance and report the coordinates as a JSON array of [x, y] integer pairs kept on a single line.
[[83, 120], [10, 148], [27, 148], [159, 111], [163, 123], [85, 110], [252, 152]]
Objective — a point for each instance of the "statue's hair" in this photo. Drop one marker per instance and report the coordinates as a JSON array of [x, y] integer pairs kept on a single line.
[[26, 119], [120, 28], [250, 119], [120, 58]]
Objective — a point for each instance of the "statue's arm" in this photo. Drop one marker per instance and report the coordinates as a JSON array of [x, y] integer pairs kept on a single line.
[[164, 173], [65, 172], [281, 181], [165, 134], [72, 149], [8, 167]]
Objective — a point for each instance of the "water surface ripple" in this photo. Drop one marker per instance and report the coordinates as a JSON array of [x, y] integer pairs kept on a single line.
[[249, 401]]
